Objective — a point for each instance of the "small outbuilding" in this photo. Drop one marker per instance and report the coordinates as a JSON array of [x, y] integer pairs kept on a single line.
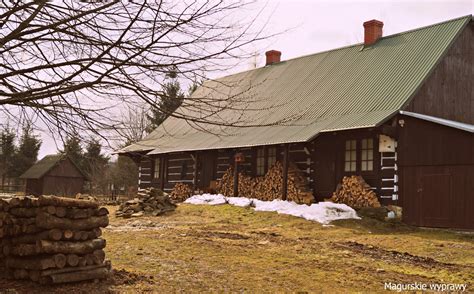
[[54, 175]]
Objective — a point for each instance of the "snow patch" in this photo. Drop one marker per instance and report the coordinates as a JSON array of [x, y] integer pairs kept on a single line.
[[207, 199], [240, 201], [322, 212]]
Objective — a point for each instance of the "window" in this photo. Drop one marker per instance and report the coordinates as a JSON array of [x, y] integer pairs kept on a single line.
[[350, 158], [156, 171], [260, 161], [367, 155], [271, 157]]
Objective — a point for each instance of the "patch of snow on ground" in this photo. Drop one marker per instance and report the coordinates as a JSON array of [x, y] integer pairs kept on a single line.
[[240, 201], [208, 199], [322, 212]]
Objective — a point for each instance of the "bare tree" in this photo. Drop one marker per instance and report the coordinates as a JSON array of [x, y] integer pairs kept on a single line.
[[71, 63]]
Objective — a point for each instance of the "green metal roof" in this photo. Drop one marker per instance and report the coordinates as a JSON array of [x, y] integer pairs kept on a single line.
[[295, 100]]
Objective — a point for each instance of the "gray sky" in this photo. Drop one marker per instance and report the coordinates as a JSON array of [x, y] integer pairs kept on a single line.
[[311, 26]]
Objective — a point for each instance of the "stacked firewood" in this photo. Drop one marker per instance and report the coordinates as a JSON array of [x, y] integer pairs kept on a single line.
[[270, 186], [180, 192], [149, 201], [52, 239], [355, 192]]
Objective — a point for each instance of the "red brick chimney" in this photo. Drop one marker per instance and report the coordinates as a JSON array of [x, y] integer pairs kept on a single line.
[[372, 31], [273, 56]]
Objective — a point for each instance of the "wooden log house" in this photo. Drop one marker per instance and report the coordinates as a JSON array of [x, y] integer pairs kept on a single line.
[[397, 110]]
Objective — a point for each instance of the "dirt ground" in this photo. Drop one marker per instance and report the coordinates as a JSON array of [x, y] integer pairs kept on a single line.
[[232, 249]]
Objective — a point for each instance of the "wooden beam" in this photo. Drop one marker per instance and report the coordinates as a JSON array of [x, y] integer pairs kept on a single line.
[[284, 191], [236, 178], [195, 176]]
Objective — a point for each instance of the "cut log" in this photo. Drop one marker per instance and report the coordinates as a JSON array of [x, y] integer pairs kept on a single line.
[[60, 260], [47, 221], [66, 202], [72, 259], [53, 234], [102, 211], [52, 247], [98, 256], [60, 211], [20, 274], [36, 263], [68, 234], [98, 273], [24, 211], [49, 272]]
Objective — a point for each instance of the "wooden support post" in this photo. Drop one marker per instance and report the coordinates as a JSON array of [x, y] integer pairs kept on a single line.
[[195, 179], [284, 191], [163, 171], [236, 178]]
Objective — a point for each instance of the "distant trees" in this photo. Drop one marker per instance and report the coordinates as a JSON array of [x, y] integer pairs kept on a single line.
[[17, 157], [27, 152]]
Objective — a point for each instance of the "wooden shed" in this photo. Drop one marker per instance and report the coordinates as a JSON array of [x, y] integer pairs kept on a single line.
[[397, 110], [54, 175]]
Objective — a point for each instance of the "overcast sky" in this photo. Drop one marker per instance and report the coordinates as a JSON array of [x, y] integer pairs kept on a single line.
[[313, 25]]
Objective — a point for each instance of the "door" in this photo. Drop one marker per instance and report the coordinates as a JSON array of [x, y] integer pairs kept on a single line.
[[325, 161], [436, 200], [207, 163]]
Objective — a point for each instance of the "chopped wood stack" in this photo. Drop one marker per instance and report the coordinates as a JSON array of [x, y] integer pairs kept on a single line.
[[180, 192], [149, 201], [52, 239], [355, 192], [270, 186]]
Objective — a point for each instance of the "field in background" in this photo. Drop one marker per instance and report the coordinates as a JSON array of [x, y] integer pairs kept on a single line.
[[227, 248]]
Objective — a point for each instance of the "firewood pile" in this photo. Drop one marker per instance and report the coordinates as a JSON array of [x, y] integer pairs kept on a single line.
[[52, 240], [149, 201], [355, 192], [180, 192], [270, 186]]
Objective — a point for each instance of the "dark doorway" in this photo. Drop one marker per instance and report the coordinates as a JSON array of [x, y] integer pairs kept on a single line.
[[325, 160], [207, 161]]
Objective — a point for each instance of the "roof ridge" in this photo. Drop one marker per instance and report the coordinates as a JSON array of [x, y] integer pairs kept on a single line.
[[347, 46]]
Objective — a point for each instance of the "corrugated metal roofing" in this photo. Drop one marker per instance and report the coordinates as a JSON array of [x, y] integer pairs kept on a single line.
[[445, 122], [43, 166], [294, 100]]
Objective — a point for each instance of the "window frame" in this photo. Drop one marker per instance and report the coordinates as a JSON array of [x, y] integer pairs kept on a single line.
[[260, 161], [353, 150], [367, 160], [375, 158], [157, 173]]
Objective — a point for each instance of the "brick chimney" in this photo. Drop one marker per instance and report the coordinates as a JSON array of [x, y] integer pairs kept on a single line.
[[273, 56], [372, 31]]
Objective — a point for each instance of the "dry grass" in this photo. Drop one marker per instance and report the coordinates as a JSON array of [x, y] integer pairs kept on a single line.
[[231, 249]]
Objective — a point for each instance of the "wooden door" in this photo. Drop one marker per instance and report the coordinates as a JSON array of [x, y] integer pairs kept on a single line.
[[207, 165], [436, 200], [325, 163]]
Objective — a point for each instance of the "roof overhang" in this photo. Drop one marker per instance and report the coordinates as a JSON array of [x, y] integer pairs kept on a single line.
[[441, 121]]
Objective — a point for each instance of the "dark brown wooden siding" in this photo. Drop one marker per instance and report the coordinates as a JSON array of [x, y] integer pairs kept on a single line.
[[328, 167], [448, 92], [436, 175], [34, 187], [64, 179], [62, 186], [65, 169]]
